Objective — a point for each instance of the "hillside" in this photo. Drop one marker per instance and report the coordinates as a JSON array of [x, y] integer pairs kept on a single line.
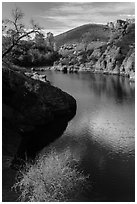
[[88, 32], [110, 51]]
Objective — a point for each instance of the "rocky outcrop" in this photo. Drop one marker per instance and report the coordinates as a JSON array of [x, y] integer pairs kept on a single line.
[[37, 76], [108, 59], [112, 61], [117, 56], [128, 64], [34, 114]]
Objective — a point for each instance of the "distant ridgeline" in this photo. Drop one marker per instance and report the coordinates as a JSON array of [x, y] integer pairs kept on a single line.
[[100, 48], [91, 32]]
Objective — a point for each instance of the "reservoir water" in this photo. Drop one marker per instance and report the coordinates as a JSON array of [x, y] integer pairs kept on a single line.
[[102, 133]]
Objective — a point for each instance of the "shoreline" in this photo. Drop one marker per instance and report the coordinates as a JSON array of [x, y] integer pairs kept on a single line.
[[75, 69], [104, 72]]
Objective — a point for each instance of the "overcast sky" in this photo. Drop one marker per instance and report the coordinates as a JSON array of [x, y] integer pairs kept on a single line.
[[59, 17]]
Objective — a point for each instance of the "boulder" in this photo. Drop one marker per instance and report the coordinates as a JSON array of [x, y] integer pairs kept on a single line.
[[34, 114]]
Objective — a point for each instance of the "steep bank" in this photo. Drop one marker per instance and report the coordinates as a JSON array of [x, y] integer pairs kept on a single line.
[[32, 110]]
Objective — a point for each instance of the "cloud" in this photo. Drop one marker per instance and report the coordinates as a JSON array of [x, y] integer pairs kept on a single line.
[[128, 15], [62, 16], [68, 8], [68, 15]]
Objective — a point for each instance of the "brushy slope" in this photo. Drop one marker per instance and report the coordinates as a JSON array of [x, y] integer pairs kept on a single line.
[[94, 32]]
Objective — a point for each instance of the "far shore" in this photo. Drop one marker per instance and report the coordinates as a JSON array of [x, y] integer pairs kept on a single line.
[[61, 69]]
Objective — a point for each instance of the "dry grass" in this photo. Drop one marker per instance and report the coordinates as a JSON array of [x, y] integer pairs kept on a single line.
[[53, 177]]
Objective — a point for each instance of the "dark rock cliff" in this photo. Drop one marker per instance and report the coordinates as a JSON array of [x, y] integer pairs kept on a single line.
[[34, 114]]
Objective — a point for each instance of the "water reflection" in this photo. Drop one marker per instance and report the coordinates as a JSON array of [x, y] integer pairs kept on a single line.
[[101, 135], [112, 86], [111, 175], [118, 88], [32, 142]]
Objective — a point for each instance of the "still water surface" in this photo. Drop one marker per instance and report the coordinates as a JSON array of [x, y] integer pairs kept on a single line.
[[102, 133]]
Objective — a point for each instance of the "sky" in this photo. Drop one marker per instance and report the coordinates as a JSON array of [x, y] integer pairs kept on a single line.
[[58, 17]]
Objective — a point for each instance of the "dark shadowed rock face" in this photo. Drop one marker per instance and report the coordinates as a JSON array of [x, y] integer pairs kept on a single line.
[[34, 113]]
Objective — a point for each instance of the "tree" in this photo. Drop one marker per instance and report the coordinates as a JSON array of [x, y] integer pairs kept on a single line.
[[14, 31], [50, 40], [40, 39]]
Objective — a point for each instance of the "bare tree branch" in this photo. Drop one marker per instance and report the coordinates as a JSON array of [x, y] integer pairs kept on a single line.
[[16, 31]]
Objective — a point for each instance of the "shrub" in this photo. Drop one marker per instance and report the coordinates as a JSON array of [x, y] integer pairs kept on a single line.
[[52, 177]]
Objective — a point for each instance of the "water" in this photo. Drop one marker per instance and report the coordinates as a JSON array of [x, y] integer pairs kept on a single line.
[[101, 135]]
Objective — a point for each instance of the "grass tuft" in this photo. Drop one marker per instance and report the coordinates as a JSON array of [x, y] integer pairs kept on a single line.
[[52, 177]]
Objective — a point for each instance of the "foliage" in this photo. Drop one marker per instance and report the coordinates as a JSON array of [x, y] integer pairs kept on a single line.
[[18, 46], [13, 31], [53, 177], [32, 54]]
